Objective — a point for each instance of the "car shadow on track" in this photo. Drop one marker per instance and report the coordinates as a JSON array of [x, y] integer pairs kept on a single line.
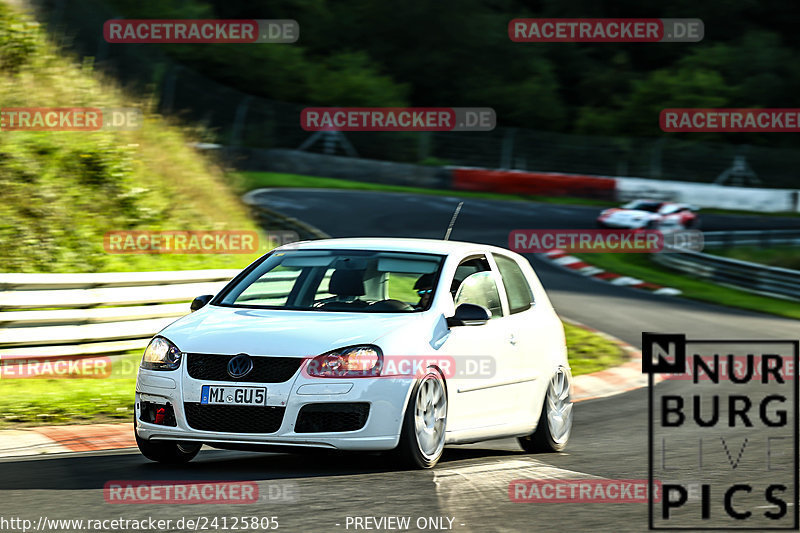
[[80, 472]]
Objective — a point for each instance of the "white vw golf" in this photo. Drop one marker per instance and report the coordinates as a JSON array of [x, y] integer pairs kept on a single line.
[[361, 344]]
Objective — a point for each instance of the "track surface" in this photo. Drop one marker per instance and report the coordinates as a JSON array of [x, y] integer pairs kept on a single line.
[[470, 484]]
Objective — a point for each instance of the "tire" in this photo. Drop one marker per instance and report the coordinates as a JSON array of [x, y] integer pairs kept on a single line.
[[555, 422], [425, 422], [167, 451]]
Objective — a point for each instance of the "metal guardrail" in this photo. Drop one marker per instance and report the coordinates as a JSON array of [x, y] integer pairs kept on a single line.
[[752, 237], [752, 277], [58, 315], [55, 315]]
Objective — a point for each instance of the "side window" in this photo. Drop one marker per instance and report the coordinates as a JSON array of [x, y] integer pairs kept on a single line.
[[466, 268], [518, 290], [480, 289]]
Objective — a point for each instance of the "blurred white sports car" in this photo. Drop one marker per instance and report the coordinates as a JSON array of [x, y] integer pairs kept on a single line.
[[649, 214], [361, 344]]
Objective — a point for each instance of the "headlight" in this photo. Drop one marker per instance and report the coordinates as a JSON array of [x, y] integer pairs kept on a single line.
[[161, 354], [351, 362]]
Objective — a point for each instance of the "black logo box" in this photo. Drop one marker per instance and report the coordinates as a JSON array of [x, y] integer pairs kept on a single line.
[[678, 365]]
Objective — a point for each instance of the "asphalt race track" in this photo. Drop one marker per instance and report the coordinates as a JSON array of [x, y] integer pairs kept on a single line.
[[470, 485]]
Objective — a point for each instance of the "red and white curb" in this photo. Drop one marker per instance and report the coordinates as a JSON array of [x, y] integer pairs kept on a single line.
[[563, 259], [63, 439]]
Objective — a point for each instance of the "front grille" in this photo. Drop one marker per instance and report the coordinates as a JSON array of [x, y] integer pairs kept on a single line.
[[234, 418], [212, 367], [324, 417]]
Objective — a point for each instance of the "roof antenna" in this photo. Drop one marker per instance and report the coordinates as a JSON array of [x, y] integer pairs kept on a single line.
[[453, 221]]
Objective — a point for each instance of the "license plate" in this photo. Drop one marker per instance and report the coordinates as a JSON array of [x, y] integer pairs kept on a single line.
[[216, 395]]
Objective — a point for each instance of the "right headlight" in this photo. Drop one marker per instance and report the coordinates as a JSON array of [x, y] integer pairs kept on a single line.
[[364, 360], [161, 354]]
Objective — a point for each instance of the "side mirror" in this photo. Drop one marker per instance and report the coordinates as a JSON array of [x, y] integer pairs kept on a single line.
[[201, 301], [469, 315]]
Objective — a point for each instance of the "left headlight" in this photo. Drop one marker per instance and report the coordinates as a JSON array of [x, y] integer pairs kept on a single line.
[[161, 354]]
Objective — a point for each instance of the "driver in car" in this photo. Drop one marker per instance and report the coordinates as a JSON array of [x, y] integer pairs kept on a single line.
[[424, 288]]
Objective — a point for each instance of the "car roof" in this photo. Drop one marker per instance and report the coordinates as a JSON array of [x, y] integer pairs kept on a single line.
[[396, 245]]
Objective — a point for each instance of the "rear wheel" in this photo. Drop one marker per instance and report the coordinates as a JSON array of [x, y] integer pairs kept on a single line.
[[422, 437], [555, 422]]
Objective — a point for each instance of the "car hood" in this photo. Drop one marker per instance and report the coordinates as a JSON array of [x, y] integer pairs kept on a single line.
[[227, 330]]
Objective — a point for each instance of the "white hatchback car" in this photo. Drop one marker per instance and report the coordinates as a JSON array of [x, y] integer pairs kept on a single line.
[[361, 344]]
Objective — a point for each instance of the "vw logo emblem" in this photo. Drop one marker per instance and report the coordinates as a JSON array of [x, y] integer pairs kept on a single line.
[[240, 366]]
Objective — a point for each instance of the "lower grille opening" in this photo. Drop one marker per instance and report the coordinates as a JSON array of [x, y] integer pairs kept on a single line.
[[157, 413], [324, 417], [234, 418]]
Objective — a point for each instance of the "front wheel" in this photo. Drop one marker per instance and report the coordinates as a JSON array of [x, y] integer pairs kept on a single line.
[[167, 451], [422, 436], [555, 422]]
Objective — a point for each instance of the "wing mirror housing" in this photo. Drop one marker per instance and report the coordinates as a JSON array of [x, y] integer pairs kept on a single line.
[[469, 315], [200, 302]]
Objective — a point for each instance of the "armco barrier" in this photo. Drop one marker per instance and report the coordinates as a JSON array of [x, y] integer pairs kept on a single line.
[[59, 315], [752, 277], [779, 237], [54, 315], [710, 195], [533, 183]]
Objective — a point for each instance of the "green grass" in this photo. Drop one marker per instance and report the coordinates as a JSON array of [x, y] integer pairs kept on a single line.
[[38, 402], [62, 191], [254, 180], [642, 267], [590, 352], [778, 256]]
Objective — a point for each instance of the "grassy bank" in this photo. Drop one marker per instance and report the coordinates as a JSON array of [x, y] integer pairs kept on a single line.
[[63, 190]]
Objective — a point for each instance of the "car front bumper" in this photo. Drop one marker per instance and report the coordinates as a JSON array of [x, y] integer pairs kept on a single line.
[[386, 397]]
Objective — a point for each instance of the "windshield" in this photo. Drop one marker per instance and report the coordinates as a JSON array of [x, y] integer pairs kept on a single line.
[[643, 205], [339, 280]]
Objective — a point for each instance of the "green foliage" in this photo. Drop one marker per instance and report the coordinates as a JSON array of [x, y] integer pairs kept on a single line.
[[457, 53], [18, 40], [62, 191]]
